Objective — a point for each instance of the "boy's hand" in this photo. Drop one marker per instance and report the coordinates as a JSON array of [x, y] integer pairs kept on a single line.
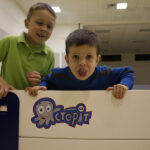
[[118, 90], [4, 89], [34, 77], [33, 91]]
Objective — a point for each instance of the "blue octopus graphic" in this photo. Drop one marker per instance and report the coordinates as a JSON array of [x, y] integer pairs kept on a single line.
[[43, 110]]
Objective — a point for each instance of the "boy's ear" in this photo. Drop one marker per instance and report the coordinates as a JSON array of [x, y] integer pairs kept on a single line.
[[67, 59], [26, 23], [98, 58]]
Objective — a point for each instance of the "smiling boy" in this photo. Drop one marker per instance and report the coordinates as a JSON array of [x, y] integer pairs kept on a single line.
[[27, 58], [82, 73]]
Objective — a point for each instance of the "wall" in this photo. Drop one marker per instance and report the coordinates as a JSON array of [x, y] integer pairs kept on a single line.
[[12, 17], [59, 34]]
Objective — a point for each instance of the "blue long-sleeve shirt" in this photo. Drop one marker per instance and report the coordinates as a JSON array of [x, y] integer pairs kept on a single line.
[[103, 77]]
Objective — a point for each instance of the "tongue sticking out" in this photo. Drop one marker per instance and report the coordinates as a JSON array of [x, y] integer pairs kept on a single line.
[[82, 72]]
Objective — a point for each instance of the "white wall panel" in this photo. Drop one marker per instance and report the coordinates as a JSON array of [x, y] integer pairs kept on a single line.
[[114, 125]]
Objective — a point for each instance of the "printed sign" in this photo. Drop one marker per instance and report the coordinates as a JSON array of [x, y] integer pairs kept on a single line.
[[46, 113]]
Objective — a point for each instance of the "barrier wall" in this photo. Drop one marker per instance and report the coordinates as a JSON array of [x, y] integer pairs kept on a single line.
[[84, 120]]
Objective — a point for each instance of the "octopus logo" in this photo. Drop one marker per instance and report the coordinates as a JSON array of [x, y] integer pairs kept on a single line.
[[46, 113]]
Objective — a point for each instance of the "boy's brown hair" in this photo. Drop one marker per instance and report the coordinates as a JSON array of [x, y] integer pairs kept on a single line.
[[39, 6], [82, 37]]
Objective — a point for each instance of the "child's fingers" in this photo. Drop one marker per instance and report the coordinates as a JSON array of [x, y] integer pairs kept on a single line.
[[43, 88], [109, 88], [12, 88], [34, 93], [34, 75], [26, 89], [30, 78], [31, 91], [5, 92], [4, 88], [34, 80], [122, 92], [119, 91], [1, 92], [115, 91]]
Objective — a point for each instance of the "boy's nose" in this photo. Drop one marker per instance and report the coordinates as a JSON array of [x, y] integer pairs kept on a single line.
[[44, 28], [82, 62]]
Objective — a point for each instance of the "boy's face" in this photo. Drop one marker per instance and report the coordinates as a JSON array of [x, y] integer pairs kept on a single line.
[[82, 60], [40, 26]]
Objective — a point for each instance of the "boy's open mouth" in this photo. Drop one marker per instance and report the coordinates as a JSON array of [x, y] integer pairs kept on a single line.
[[41, 36], [82, 72]]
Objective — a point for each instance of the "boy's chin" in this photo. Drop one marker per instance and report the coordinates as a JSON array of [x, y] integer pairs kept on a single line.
[[82, 78]]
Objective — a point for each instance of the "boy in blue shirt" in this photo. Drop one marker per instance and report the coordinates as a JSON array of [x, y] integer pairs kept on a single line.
[[82, 73]]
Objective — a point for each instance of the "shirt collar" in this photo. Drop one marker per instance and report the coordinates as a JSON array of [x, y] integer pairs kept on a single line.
[[34, 48]]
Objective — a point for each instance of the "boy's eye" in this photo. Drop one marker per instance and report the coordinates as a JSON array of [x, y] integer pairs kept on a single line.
[[89, 56], [49, 26], [39, 23], [76, 57]]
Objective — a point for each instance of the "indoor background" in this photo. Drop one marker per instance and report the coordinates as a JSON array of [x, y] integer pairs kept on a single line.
[[124, 33]]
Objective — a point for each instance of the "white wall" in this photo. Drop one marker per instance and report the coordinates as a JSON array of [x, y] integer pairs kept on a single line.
[[12, 17], [57, 42]]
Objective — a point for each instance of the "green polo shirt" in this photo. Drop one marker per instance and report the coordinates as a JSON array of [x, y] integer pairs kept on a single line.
[[19, 58]]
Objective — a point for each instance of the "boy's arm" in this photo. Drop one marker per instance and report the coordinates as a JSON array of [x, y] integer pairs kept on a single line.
[[4, 88], [44, 81], [122, 80], [124, 76]]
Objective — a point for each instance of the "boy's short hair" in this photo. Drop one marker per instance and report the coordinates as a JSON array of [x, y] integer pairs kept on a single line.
[[39, 6], [81, 37]]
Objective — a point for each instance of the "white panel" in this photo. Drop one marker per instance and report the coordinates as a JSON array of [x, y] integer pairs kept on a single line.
[[114, 125], [111, 118]]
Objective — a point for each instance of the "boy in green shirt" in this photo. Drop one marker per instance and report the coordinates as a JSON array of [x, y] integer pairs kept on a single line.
[[25, 58]]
